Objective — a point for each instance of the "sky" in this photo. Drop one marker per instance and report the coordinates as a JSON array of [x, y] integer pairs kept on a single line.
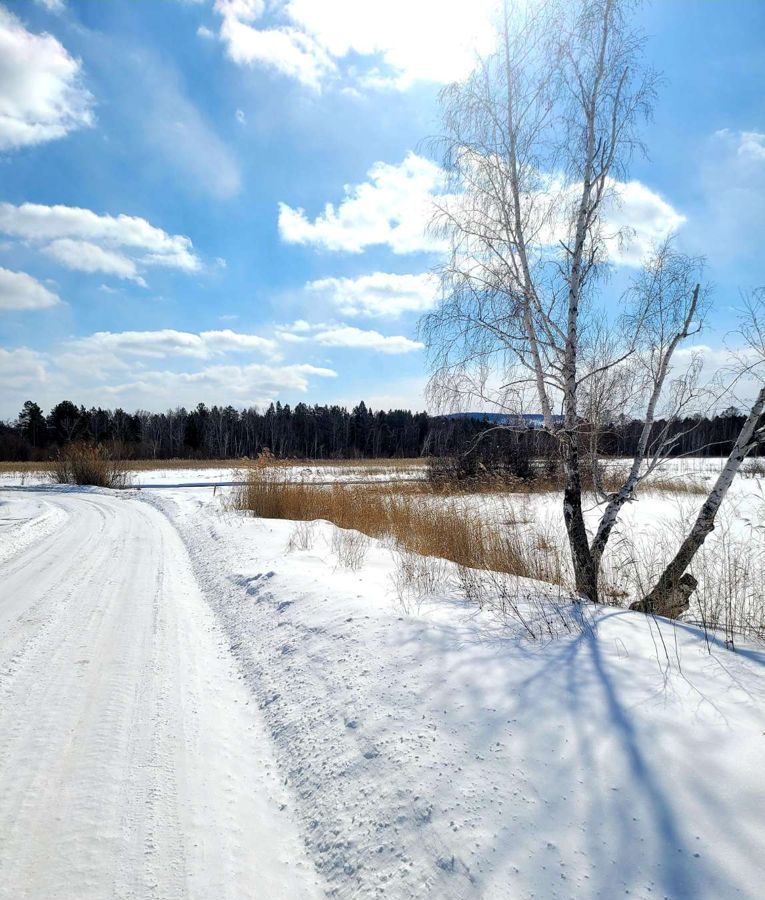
[[223, 201]]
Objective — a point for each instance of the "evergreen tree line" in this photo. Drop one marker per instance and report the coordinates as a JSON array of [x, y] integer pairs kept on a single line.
[[321, 432]]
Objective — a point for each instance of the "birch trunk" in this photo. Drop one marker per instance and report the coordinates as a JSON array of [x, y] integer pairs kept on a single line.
[[670, 596], [585, 571], [611, 514]]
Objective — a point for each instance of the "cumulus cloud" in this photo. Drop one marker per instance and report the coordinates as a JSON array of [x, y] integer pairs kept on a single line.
[[152, 370], [21, 369], [248, 385], [25, 373], [635, 221], [717, 366], [254, 384], [345, 336], [167, 342], [41, 93], [287, 50], [379, 295], [86, 257], [378, 43], [393, 207], [83, 240], [20, 291], [357, 338]]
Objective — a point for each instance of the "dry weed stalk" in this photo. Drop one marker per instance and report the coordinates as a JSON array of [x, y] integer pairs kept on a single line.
[[350, 547]]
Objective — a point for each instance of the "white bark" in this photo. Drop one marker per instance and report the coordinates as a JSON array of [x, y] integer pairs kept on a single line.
[[661, 598]]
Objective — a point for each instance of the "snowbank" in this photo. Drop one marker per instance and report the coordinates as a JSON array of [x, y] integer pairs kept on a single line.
[[436, 754]]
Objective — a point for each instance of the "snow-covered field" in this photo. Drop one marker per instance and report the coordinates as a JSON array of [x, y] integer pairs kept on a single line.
[[193, 706], [228, 475]]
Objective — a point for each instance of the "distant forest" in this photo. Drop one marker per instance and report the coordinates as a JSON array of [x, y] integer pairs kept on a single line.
[[318, 432]]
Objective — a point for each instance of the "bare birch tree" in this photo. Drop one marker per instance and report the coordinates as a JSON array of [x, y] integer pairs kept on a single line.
[[670, 595], [535, 142]]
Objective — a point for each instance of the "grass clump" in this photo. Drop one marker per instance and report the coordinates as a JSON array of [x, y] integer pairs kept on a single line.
[[81, 463]]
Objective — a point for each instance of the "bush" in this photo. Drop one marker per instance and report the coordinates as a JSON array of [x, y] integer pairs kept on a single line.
[[498, 456], [88, 464]]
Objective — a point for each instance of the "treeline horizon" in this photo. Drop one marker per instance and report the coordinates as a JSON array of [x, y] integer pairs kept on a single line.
[[323, 432]]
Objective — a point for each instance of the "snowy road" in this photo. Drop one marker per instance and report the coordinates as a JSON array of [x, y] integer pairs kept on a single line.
[[132, 762]]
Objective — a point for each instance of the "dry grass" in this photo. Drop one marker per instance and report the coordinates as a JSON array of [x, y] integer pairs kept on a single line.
[[25, 468], [448, 530], [753, 468], [364, 464], [136, 465], [673, 485], [730, 568], [350, 547], [88, 464], [427, 532], [610, 481]]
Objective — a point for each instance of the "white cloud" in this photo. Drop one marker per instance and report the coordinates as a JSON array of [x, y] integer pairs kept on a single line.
[[718, 365], [296, 333], [85, 241], [379, 295], [82, 256], [20, 291], [287, 50], [251, 385], [41, 95], [642, 218], [204, 32], [26, 374], [344, 336], [397, 42], [347, 336], [393, 207], [54, 6], [167, 343], [752, 145], [21, 369]]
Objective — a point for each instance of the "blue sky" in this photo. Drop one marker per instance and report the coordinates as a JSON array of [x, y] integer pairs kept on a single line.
[[165, 167]]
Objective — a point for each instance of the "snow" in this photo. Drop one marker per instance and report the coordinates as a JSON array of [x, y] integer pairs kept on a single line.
[[437, 754], [419, 749], [228, 475], [132, 760], [26, 519]]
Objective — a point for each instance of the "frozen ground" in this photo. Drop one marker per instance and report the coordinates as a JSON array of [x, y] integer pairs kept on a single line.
[[172, 674]]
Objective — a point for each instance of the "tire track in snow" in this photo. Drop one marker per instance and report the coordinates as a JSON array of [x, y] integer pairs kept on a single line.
[[131, 761]]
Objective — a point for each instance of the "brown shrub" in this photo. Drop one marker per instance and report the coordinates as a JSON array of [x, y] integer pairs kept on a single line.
[[88, 464]]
